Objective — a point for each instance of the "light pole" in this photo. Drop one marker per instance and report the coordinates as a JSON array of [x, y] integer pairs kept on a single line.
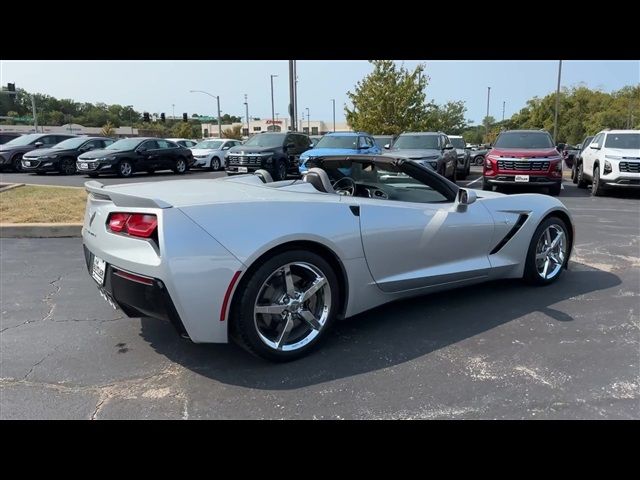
[[333, 100], [217, 97], [173, 114], [273, 118], [555, 119], [35, 116], [246, 105], [308, 122], [503, 105], [486, 119]]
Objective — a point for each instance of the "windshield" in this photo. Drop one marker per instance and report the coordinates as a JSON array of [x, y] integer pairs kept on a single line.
[[331, 141], [209, 144], [417, 142], [262, 140], [24, 139], [382, 141], [524, 140], [623, 140], [125, 144], [458, 142], [71, 143]]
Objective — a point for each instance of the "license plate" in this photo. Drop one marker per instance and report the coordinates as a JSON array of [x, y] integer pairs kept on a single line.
[[522, 178], [97, 270], [243, 169], [83, 165]]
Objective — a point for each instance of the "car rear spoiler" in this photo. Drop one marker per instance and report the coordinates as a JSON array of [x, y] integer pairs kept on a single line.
[[122, 199]]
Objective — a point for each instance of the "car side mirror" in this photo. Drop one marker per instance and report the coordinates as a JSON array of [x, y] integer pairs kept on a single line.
[[448, 146], [465, 197], [387, 146], [226, 147], [38, 144], [595, 146]]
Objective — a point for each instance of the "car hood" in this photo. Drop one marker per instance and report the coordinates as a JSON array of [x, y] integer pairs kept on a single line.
[[249, 150], [320, 152], [623, 152], [524, 152], [415, 153], [97, 154], [204, 151], [13, 148], [41, 152]]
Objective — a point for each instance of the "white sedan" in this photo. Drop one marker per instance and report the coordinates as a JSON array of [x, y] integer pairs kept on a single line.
[[211, 153]]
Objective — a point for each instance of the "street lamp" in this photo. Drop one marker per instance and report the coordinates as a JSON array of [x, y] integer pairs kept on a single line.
[[308, 122], [246, 104], [555, 117], [217, 97], [273, 118], [486, 120]]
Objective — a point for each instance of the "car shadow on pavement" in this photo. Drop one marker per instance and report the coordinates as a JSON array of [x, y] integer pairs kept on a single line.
[[383, 337]]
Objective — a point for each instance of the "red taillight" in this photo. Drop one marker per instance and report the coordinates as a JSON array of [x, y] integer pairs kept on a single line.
[[135, 224]]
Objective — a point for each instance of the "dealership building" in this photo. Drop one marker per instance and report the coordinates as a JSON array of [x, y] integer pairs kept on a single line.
[[256, 125]]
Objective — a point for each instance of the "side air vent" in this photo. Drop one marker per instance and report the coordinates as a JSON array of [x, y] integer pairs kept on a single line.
[[521, 219]]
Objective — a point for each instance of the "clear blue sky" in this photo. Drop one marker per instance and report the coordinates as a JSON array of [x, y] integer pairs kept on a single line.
[[155, 85]]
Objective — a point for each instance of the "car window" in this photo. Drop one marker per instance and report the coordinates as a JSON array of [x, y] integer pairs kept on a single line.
[[106, 142], [598, 139], [150, 145], [165, 144], [623, 140], [362, 143], [94, 144], [60, 138], [49, 140], [370, 142]]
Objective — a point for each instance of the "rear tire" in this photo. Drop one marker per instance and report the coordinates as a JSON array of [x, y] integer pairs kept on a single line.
[[581, 182], [479, 160], [181, 166], [574, 173], [254, 331], [531, 272], [281, 170]]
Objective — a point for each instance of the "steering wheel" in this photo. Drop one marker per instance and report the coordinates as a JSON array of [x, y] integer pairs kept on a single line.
[[348, 190]]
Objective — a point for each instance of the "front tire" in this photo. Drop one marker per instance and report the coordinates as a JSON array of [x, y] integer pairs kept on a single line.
[[574, 173], [548, 252], [479, 160], [68, 166], [17, 163], [486, 185], [597, 188], [125, 169], [555, 190], [215, 164], [285, 306], [281, 170]]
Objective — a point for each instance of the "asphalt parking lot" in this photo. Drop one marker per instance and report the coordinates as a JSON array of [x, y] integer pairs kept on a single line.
[[499, 350]]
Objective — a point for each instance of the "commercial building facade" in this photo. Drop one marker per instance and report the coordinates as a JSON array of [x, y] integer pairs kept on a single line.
[[311, 127]]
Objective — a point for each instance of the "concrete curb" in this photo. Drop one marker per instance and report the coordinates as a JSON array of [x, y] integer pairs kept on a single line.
[[11, 187], [40, 230]]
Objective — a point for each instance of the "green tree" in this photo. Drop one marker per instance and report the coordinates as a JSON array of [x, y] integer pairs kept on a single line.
[[447, 118], [182, 130], [389, 100]]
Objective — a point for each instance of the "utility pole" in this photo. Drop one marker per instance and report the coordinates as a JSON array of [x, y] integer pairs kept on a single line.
[[308, 122], [503, 105], [333, 100], [173, 115], [246, 105], [555, 119], [273, 114], [486, 118], [217, 97], [35, 116]]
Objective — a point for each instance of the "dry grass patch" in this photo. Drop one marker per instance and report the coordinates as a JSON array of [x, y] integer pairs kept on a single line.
[[31, 204]]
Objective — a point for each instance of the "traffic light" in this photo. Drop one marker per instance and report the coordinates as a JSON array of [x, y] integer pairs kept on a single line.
[[185, 117], [145, 117], [11, 88], [162, 117]]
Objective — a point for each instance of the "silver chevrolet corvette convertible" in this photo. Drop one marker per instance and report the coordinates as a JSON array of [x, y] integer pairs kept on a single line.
[[272, 264]]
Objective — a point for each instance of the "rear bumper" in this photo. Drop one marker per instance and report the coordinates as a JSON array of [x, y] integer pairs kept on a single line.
[[137, 295]]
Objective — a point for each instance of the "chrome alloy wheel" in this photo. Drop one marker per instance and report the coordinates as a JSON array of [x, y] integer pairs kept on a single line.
[[125, 169], [292, 306], [551, 251]]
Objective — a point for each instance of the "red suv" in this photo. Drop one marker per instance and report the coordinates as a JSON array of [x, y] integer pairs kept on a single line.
[[523, 157]]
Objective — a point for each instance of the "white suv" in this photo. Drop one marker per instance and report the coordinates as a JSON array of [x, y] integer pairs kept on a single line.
[[612, 159]]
